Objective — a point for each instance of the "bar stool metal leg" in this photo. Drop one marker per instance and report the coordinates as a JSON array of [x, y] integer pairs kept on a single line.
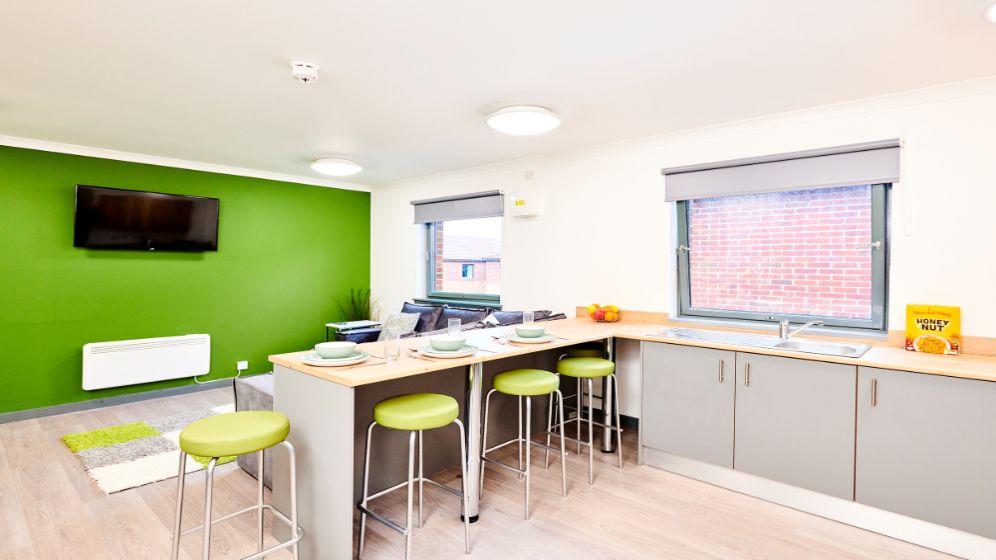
[[366, 491], [563, 445], [591, 433], [529, 414], [579, 409], [484, 439], [208, 487], [292, 463], [549, 428], [520, 436], [259, 502], [411, 489], [421, 479], [619, 431], [465, 485], [181, 475]]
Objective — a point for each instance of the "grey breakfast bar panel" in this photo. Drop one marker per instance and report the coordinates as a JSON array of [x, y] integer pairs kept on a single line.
[[321, 418]]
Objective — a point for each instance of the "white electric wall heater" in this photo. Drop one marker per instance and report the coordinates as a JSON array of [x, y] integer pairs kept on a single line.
[[128, 362]]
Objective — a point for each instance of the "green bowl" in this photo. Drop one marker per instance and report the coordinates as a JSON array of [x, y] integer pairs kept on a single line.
[[446, 343], [337, 349], [530, 332]]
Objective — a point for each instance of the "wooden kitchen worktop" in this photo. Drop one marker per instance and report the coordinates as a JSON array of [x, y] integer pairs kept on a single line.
[[635, 326]]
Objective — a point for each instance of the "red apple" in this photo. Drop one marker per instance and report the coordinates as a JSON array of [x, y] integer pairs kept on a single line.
[[599, 315]]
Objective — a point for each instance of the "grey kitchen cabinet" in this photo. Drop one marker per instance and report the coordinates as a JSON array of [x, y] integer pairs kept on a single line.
[[926, 448], [795, 422], [687, 407]]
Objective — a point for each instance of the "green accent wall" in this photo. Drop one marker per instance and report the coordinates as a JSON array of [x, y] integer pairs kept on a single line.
[[285, 251]]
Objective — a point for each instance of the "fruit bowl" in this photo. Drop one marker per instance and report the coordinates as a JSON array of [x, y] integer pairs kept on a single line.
[[603, 314]]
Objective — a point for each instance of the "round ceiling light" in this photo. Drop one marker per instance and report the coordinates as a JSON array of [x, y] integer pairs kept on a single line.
[[990, 12], [336, 167], [523, 120]]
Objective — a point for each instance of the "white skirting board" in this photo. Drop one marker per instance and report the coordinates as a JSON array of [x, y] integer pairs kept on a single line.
[[916, 531]]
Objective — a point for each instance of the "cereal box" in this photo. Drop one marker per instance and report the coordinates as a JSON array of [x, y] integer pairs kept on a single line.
[[935, 329]]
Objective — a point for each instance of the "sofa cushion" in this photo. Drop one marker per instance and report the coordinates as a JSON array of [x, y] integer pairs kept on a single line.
[[506, 318], [428, 315], [466, 316], [408, 323]]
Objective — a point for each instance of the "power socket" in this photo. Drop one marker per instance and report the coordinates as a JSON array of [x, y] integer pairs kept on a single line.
[[241, 366]]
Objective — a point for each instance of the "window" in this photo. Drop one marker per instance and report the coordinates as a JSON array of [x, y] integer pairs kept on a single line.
[[799, 255], [465, 257]]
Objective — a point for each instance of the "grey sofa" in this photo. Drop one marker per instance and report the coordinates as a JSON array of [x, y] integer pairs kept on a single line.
[[433, 319]]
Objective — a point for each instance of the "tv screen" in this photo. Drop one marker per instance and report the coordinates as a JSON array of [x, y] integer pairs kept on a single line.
[[144, 221]]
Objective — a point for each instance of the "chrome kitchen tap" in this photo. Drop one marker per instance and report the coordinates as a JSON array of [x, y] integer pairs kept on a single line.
[[784, 333]]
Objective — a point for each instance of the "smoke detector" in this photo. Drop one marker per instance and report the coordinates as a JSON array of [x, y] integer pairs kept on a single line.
[[304, 72]]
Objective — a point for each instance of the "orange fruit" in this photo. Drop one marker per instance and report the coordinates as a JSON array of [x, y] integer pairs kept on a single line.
[[611, 316]]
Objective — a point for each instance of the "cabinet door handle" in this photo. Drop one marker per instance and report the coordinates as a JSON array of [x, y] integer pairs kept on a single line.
[[722, 365], [874, 392], [747, 374]]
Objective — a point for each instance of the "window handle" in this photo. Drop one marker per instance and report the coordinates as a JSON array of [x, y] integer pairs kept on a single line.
[[684, 248], [874, 245]]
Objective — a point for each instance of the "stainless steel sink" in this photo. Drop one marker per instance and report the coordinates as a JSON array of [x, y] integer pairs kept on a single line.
[[766, 341], [824, 348]]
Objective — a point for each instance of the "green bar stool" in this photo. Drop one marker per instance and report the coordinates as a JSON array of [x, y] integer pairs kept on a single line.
[[587, 369], [414, 413], [237, 433], [585, 350], [524, 384]]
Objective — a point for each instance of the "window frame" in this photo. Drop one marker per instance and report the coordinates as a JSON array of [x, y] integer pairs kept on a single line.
[[880, 277], [481, 300], [464, 269]]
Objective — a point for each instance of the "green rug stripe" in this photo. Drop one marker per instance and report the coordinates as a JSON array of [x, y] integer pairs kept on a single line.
[[108, 436], [205, 460]]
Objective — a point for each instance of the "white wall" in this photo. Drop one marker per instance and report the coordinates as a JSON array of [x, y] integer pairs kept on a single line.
[[605, 231]]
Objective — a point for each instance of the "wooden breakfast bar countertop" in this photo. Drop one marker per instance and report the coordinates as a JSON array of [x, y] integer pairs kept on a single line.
[[579, 330]]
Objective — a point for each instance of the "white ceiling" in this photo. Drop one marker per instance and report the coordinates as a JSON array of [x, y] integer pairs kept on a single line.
[[405, 84]]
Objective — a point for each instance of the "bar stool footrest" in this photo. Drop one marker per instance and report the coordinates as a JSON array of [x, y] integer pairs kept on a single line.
[[276, 513], [399, 486]]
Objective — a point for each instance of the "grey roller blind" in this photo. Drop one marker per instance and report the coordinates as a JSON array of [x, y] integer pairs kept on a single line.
[[855, 164], [461, 207]]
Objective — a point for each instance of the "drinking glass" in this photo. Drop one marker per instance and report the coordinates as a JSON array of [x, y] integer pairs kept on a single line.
[[453, 327], [528, 317], [392, 338]]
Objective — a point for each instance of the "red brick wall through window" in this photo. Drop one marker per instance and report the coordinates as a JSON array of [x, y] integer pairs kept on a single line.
[[801, 252]]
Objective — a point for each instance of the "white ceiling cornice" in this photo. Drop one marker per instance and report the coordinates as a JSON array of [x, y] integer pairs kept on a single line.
[[103, 153]]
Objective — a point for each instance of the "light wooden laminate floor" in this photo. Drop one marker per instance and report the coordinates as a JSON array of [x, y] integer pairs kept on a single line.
[[49, 509]]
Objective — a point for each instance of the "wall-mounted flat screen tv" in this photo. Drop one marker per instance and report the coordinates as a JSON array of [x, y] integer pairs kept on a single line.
[[144, 221]]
